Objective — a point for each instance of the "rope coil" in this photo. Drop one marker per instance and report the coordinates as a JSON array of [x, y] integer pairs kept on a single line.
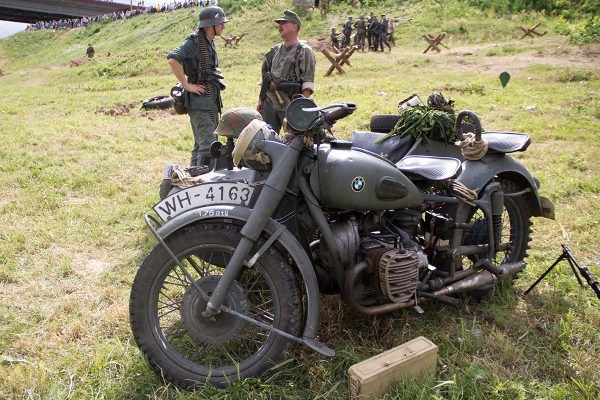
[[473, 149]]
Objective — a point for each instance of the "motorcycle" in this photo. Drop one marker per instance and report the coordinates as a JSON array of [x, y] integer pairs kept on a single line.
[[243, 256]]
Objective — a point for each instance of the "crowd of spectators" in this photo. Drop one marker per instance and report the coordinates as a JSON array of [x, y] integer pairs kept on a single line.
[[114, 16]]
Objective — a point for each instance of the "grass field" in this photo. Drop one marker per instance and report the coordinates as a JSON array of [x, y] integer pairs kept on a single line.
[[76, 180]]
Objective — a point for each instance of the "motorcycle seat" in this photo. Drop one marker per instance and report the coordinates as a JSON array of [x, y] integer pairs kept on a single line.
[[506, 142], [428, 167], [393, 148]]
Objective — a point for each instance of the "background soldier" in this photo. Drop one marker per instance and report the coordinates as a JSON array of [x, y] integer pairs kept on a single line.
[[90, 51], [334, 38], [383, 32], [374, 28], [195, 65], [361, 30], [288, 69], [347, 30], [369, 31]]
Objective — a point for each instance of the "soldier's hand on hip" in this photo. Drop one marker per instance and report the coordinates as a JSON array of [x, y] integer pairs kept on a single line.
[[260, 105], [194, 88]]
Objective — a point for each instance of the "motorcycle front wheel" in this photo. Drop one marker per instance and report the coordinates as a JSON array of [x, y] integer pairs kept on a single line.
[[165, 310]]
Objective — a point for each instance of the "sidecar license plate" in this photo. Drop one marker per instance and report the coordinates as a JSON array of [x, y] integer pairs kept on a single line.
[[203, 195]]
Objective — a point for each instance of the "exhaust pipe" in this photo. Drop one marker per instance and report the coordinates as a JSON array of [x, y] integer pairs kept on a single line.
[[482, 278]]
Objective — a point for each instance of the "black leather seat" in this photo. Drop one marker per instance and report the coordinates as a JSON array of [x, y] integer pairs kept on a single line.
[[432, 168]]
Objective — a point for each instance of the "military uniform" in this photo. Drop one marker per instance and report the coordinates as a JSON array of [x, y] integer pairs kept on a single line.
[[374, 28], [347, 31], [383, 32], [361, 31], [295, 62], [334, 38], [202, 109]]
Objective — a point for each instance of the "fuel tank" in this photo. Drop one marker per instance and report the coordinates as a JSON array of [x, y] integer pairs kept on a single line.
[[354, 179]]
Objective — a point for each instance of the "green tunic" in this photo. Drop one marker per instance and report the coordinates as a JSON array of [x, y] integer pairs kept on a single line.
[[188, 55]]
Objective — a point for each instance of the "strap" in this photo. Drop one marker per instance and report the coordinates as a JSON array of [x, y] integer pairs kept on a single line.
[[293, 62]]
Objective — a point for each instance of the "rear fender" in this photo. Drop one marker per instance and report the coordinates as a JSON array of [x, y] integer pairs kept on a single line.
[[285, 240], [477, 174]]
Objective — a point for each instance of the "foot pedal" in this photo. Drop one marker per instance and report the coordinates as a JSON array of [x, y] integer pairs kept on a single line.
[[487, 265], [419, 310]]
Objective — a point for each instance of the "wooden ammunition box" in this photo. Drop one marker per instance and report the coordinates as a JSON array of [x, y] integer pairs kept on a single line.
[[373, 377]]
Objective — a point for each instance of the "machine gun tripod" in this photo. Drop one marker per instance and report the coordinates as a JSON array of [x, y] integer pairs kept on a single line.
[[584, 271]]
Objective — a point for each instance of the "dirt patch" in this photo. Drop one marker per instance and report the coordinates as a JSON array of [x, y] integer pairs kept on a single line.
[[76, 62], [553, 52], [319, 44], [157, 113], [2, 73], [119, 109]]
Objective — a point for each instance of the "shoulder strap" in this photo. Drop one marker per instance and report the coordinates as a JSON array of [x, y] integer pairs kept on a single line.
[[295, 59]]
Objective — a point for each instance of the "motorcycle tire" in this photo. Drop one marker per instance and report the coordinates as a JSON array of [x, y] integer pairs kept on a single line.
[[190, 351], [516, 231], [158, 102], [383, 123]]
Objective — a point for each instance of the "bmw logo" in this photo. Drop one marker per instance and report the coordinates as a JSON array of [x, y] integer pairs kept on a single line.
[[358, 184]]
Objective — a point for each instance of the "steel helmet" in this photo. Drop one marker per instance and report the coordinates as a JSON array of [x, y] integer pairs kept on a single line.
[[211, 16], [233, 121]]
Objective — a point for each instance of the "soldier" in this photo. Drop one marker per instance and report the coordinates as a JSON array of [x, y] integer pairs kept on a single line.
[[361, 30], [383, 32], [334, 38], [288, 69], [369, 32], [347, 31], [90, 51], [195, 65], [324, 6], [392, 29], [374, 28]]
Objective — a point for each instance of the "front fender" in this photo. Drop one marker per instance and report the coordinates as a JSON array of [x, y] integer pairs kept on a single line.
[[286, 240], [477, 174]]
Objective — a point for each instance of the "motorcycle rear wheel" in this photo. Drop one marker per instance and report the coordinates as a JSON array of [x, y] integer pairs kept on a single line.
[[185, 348]]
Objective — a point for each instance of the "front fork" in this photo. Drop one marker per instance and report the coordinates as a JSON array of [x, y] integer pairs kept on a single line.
[[283, 159]]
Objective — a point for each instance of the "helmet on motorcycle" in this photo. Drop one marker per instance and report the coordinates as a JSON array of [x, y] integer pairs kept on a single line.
[[233, 121], [211, 16]]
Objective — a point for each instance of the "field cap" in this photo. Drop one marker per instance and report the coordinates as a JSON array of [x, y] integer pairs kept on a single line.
[[289, 16]]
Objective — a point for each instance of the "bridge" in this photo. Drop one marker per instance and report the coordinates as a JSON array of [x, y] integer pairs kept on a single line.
[[47, 10]]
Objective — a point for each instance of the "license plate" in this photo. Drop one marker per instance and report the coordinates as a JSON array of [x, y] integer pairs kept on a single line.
[[203, 195]]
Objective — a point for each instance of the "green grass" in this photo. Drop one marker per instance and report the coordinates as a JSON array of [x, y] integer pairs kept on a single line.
[[75, 182]]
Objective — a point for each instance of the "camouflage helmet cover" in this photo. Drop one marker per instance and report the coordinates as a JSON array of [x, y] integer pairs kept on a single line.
[[233, 121], [211, 16]]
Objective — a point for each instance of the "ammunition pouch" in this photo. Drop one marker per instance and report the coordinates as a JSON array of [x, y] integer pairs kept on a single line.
[[290, 88]]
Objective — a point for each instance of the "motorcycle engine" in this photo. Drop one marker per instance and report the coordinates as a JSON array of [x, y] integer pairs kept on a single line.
[[398, 271]]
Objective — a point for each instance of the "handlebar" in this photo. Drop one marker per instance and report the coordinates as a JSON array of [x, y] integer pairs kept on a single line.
[[334, 115]]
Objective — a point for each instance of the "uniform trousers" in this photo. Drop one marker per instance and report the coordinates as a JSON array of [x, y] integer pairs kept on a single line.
[[203, 127], [272, 117]]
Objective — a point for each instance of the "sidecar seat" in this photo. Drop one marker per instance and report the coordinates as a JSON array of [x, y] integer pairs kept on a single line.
[[432, 168], [506, 142]]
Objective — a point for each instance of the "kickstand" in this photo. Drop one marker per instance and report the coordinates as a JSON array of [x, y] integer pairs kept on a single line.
[[566, 255]]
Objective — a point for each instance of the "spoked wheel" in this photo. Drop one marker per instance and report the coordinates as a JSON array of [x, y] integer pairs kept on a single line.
[[515, 237], [186, 348]]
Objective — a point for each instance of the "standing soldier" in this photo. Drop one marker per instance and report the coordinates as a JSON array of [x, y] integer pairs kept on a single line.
[[392, 29], [334, 38], [361, 30], [90, 51], [347, 30], [324, 6], [369, 32], [288, 69], [374, 28], [195, 65], [383, 32]]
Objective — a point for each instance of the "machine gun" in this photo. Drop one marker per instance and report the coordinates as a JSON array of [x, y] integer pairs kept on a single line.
[[584, 271]]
